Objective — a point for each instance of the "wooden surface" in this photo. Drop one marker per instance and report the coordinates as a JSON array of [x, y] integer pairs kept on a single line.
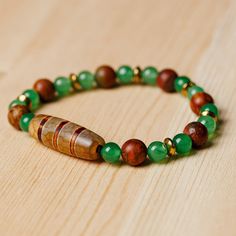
[[43, 192]]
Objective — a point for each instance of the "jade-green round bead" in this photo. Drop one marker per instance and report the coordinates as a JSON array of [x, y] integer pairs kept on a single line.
[[210, 107], [194, 90], [111, 152], [125, 74], [157, 151], [86, 80], [149, 75], [183, 143], [16, 102], [62, 86], [25, 121], [33, 97], [180, 81], [209, 123]]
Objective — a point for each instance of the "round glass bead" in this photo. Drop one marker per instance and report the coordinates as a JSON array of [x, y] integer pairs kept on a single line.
[[17, 102], [33, 97], [86, 80], [209, 122], [149, 75], [157, 151], [183, 143], [193, 90], [62, 86], [25, 121], [111, 152], [210, 107], [180, 81], [125, 74]]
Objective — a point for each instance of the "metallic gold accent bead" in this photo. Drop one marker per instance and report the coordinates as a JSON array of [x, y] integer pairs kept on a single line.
[[211, 114], [23, 98], [137, 75], [170, 147], [184, 90], [75, 84]]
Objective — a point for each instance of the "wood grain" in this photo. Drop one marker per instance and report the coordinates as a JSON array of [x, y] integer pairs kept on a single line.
[[44, 192]]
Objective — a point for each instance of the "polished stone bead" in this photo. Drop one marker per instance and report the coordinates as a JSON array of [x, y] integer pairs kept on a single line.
[[183, 143], [209, 122], [149, 75], [105, 77], [198, 133], [180, 82], [125, 74], [193, 90], [157, 151], [25, 121], [45, 89], [15, 114], [134, 152], [17, 102], [34, 98], [111, 152], [210, 107], [198, 100], [86, 80], [62, 86], [166, 80]]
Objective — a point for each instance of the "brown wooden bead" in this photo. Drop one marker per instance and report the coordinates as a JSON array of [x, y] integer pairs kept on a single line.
[[66, 137], [15, 113], [166, 80], [134, 152], [198, 100], [198, 133], [105, 77], [45, 89]]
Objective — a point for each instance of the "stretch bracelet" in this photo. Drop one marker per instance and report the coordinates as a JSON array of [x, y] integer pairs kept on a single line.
[[77, 141]]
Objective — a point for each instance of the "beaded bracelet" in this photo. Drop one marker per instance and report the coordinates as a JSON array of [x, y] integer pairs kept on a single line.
[[74, 140]]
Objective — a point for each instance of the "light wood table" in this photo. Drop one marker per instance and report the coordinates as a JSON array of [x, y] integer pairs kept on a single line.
[[43, 192]]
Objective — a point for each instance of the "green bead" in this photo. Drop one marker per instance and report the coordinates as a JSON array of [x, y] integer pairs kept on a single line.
[[183, 143], [194, 90], [62, 86], [210, 107], [86, 79], [180, 81], [209, 122], [157, 151], [17, 102], [111, 152], [149, 75], [125, 74], [25, 121], [33, 97]]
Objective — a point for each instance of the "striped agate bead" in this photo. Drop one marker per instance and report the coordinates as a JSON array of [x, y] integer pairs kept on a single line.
[[66, 137]]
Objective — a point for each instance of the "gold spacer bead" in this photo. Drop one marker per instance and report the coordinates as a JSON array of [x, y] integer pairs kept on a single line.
[[75, 84], [23, 98], [137, 75], [211, 114], [184, 90], [170, 147]]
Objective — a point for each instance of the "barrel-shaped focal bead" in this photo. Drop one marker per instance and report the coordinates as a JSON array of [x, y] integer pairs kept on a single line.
[[66, 137]]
